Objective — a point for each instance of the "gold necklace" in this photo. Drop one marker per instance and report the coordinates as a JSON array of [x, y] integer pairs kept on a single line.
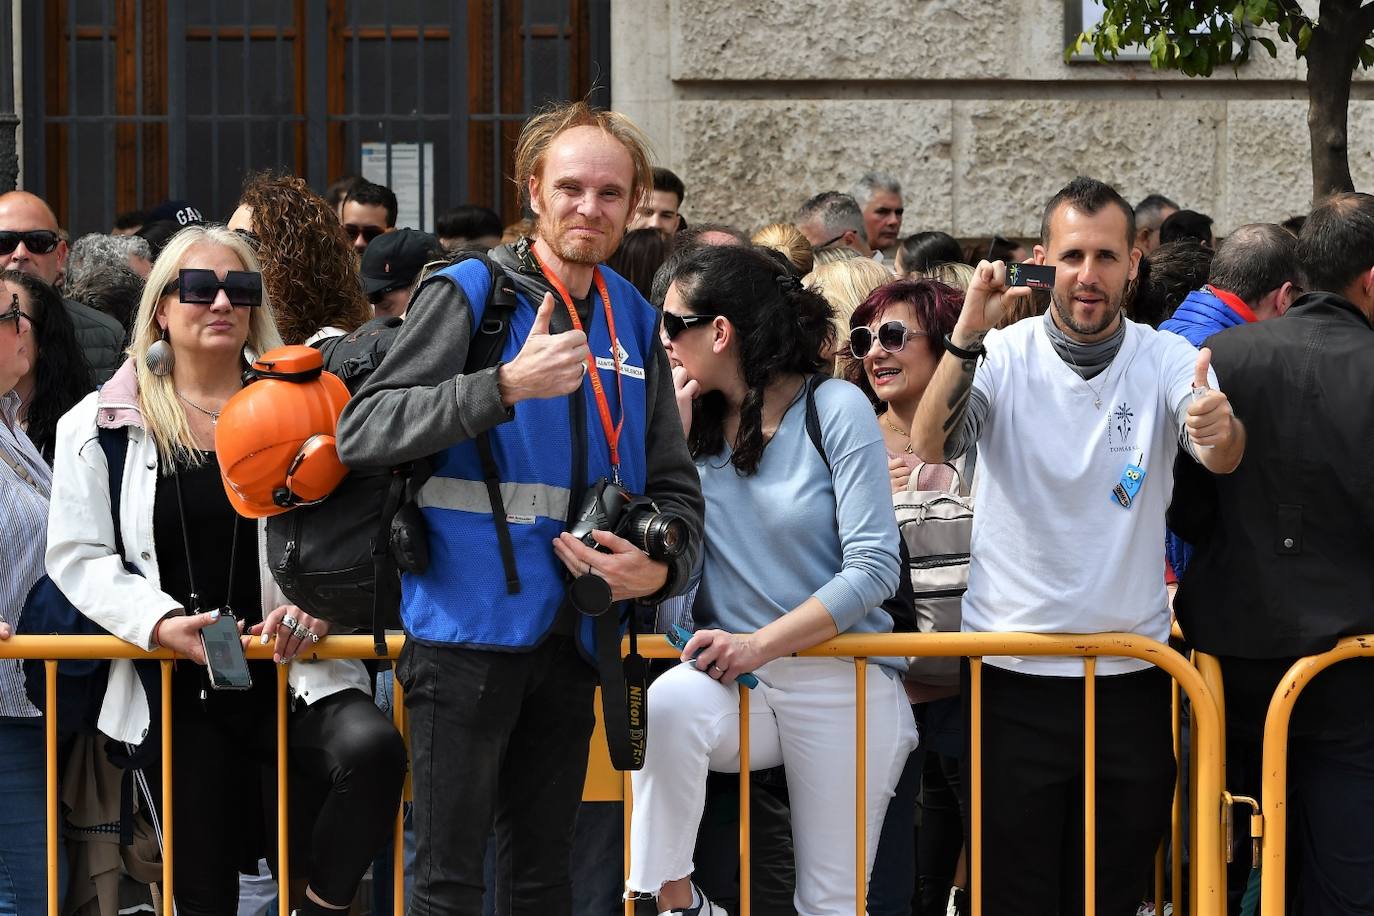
[[898, 430]]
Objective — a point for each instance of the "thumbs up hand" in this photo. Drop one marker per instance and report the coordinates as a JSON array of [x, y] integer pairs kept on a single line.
[[1209, 416], [548, 365]]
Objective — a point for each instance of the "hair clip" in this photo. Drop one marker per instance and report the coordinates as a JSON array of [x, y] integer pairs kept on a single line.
[[788, 283]]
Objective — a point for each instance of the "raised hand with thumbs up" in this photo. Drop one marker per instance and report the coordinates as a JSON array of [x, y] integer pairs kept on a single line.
[[1212, 427], [548, 365]]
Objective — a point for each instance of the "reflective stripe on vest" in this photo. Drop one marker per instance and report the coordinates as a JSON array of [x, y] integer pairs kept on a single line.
[[522, 500]]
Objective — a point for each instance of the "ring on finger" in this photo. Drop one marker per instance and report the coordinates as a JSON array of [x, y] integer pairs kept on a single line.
[[312, 636], [290, 623], [716, 668]]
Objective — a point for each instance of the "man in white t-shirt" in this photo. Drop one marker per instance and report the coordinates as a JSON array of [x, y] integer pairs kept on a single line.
[[1078, 415]]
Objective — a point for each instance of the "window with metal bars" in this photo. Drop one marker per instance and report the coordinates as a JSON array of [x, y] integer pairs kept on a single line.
[[130, 102]]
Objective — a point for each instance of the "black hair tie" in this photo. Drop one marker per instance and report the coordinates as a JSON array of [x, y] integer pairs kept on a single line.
[[788, 283]]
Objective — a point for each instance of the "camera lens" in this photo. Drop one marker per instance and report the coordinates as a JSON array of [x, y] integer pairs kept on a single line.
[[661, 535]]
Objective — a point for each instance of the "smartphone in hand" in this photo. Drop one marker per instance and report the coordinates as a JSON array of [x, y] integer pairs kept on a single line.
[[224, 656]]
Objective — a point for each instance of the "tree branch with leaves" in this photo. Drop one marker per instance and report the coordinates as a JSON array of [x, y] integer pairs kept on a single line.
[[1197, 36]]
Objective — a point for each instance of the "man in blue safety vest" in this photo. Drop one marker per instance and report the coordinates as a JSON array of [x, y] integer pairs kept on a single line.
[[498, 680]]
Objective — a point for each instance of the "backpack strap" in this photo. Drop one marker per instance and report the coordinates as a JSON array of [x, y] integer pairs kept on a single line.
[[813, 416], [115, 444], [488, 340]]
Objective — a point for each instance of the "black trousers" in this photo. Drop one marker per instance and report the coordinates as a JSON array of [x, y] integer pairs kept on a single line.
[[497, 738], [347, 766], [1033, 745]]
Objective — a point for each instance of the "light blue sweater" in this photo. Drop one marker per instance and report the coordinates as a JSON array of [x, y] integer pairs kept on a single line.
[[792, 530]]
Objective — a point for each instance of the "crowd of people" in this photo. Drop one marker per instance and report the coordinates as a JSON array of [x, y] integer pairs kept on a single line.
[[1171, 421]]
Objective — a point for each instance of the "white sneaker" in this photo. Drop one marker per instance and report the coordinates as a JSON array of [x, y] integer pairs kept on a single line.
[[704, 908]]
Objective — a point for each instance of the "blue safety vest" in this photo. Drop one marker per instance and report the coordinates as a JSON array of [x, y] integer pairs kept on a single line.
[[461, 599]]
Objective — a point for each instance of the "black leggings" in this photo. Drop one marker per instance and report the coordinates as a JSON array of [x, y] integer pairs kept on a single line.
[[347, 766]]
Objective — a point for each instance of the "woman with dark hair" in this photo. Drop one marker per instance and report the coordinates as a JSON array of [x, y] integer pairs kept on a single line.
[[308, 264], [895, 344], [748, 336], [641, 253], [25, 485], [923, 250], [58, 375]]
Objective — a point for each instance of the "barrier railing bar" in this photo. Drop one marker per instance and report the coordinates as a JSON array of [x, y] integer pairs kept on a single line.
[[975, 666], [1176, 822], [167, 800], [860, 784], [1089, 785], [744, 820], [1275, 786], [50, 740], [283, 801]]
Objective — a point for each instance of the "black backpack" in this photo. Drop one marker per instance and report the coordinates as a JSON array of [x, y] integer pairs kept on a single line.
[[335, 558]]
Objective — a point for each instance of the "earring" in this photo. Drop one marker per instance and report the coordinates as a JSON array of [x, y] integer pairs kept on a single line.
[[160, 358]]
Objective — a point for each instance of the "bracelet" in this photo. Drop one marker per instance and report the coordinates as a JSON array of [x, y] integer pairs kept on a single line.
[[977, 351]]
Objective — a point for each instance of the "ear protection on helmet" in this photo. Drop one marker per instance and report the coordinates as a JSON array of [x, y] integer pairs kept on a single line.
[[275, 438]]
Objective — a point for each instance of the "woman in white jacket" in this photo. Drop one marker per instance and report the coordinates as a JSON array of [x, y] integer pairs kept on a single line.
[[204, 304]]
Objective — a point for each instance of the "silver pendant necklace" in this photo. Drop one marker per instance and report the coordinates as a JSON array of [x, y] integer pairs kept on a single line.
[[1097, 395], [212, 414]]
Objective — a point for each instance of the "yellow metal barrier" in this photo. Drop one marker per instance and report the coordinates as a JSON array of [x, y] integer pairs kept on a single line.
[[1208, 874], [1207, 888], [1274, 789], [55, 648]]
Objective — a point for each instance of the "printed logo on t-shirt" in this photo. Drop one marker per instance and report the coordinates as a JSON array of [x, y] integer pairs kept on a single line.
[[1120, 426]]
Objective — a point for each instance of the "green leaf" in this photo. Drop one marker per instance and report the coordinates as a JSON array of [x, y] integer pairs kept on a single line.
[[1304, 37], [1268, 45], [1367, 56]]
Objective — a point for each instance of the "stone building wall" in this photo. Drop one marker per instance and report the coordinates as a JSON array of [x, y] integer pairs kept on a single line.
[[759, 103]]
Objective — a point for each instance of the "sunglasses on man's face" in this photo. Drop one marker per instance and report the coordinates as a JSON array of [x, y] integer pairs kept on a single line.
[[37, 241], [199, 286], [891, 336], [367, 232], [14, 313], [673, 325]]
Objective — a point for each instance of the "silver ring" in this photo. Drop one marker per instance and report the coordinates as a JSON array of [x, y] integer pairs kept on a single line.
[[290, 623], [583, 366], [314, 637], [715, 667]]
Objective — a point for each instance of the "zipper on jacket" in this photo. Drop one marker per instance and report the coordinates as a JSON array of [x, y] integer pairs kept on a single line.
[[938, 560], [941, 593]]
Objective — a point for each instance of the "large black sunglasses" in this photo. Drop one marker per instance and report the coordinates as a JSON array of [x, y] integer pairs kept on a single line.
[[673, 325], [15, 312], [199, 286], [37, 241], [892, 337]]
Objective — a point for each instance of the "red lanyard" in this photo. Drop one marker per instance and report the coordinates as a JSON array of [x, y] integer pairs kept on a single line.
[[602, 404]]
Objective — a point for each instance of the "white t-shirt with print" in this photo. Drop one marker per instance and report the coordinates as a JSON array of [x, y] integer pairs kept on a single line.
[[1053, 551]]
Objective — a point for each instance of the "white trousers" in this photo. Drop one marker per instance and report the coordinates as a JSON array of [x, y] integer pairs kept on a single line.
[[800, 716]]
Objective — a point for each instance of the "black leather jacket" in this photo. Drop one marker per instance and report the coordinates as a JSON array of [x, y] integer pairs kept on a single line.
[[1287, 566]]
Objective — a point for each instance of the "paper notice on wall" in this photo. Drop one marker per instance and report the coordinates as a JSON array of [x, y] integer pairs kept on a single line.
[[412, 184]]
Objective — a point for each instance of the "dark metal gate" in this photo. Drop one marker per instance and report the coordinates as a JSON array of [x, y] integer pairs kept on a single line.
[[129, 102]]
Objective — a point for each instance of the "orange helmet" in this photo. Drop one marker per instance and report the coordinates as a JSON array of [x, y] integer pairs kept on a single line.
[[275, 438]]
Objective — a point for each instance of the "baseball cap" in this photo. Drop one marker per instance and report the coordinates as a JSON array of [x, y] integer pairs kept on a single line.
[[394, 259], [178, 211]]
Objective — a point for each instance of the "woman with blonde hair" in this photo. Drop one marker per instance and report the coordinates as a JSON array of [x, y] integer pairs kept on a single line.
[[169, 556], [845, 284], [788, 239]]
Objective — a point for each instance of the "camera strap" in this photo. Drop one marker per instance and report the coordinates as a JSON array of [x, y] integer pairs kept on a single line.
[[603, 407], [624, 692]]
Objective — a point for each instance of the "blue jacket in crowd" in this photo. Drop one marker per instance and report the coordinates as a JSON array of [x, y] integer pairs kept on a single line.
[[1203, 314]]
